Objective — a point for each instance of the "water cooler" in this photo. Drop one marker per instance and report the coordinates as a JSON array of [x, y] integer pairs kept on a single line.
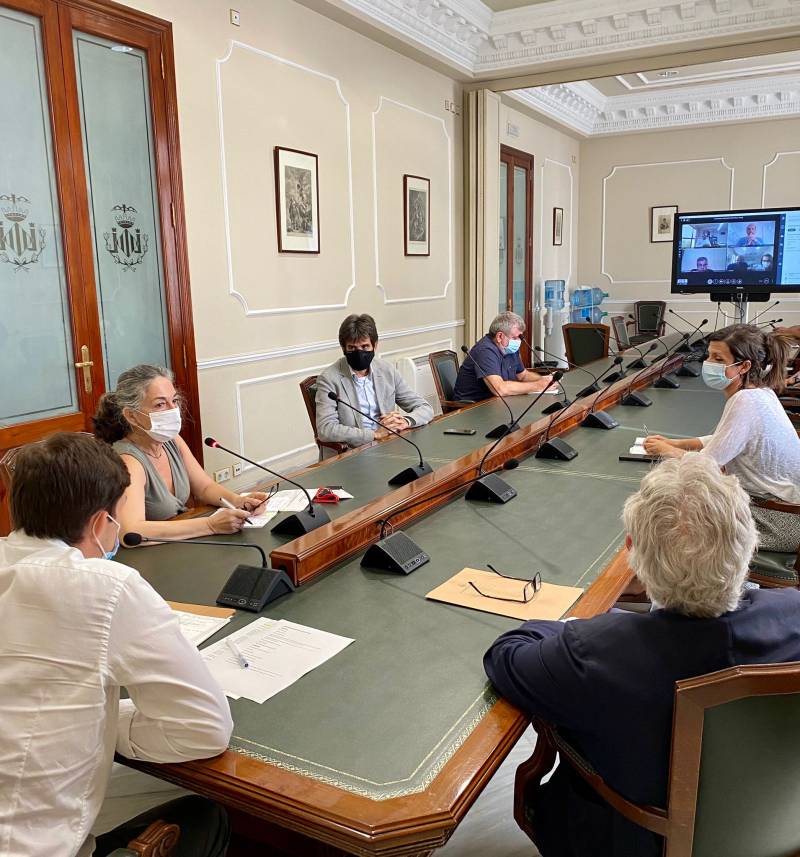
[[555, 315]]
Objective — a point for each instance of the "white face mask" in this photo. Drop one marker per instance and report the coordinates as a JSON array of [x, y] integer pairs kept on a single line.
[[164, 425]]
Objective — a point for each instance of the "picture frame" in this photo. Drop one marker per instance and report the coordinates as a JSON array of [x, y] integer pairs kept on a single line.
[[558, 226], [297, 200], [416, 216], [662, 223]]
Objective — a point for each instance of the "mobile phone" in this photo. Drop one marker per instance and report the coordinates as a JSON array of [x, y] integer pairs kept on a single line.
[[459, 431]]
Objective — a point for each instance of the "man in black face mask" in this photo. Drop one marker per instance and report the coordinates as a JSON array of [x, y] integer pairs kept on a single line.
[[368, 383]]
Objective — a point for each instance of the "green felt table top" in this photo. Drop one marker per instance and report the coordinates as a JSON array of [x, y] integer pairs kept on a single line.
[[384, 716]]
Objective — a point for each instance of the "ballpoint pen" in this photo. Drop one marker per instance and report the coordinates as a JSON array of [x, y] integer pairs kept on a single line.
[[228, 505], [243, 662]]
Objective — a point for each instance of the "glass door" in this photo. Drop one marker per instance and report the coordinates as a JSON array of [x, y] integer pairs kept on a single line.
[[93, 268], [516, 242]]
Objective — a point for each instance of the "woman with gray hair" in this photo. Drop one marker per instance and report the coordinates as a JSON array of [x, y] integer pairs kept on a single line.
[[608, 683], [142, 420]]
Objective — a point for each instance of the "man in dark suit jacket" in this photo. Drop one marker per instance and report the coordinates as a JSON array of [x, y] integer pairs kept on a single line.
[[608, 683]]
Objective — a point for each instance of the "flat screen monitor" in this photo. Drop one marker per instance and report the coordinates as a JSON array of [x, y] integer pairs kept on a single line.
[[735, 253]]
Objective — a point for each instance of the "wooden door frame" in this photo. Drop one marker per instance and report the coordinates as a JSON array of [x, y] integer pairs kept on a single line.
[[517, 158]]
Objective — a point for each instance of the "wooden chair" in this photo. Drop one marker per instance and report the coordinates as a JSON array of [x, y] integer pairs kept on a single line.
[[620, 328], [308, 389], [648, 321], [585, 342], [774, 568], [157, 840], [444, 368], [734, 775]]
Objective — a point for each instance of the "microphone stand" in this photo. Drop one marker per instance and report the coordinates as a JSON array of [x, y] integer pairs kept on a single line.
[[296, 524], [594, 387], [556, 448], [502, 430], [409, 474], [640, 400], [600, 419]]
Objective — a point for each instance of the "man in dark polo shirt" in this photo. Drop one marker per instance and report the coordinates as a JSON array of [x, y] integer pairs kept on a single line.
[[494, 367]]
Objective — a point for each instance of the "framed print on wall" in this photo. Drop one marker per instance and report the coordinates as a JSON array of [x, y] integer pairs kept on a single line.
[[662, 223], [558, 226], [297, 200], [416, 216]]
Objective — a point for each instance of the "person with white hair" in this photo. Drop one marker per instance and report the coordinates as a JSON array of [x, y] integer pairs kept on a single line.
[[608, 683]]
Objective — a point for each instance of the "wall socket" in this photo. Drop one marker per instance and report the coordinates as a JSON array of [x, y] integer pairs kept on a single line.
[[235, 18], [222, 475], [237, 468]]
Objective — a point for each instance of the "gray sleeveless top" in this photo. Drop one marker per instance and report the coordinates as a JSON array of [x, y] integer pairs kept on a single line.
[[159, 503]]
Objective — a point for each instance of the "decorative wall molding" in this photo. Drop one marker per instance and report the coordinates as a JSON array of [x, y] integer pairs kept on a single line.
[[469, 36], [646, 81], [248, 311], [450, 206], [720, 160], [778, 156], [312, 347], [583, 108], [304, 371], [547, 221]]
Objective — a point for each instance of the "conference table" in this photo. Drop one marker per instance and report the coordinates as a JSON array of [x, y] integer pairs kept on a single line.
[[383, 748]]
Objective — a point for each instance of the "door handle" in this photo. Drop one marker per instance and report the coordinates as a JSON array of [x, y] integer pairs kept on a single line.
[[86, 364]]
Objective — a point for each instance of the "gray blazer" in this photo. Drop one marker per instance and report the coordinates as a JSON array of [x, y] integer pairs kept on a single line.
[[339, 424]]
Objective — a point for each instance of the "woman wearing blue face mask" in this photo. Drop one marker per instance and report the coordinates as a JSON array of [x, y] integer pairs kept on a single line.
[[754, 438], [142, 420]]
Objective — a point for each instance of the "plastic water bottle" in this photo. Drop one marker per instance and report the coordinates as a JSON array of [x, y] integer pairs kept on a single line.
[[597, 296]]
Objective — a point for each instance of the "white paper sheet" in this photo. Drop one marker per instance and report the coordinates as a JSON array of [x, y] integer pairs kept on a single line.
[[279, 652], [197, 629], [260, 520], [638, 447], [293, 500]]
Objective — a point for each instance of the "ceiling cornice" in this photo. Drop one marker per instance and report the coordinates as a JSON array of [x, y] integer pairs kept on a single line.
[[581, 107], [470, 37]]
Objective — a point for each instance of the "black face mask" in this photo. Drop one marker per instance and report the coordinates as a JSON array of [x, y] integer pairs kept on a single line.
[[358, 361]]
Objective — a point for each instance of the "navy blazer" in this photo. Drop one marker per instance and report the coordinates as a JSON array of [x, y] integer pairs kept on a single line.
[[608, 684]]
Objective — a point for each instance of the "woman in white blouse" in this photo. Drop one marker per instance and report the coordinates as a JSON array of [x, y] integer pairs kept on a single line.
[[754, 438]]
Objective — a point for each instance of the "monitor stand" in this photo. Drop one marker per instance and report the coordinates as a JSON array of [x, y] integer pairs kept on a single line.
[[740, 300]]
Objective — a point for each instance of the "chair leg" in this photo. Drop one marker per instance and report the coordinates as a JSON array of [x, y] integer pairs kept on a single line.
[[157, 840], [530, 774]]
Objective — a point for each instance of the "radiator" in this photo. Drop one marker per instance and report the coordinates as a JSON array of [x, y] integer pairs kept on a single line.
[[416, 372]]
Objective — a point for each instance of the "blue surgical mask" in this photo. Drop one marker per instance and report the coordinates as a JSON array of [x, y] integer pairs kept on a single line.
[[714, 375], [513, 346], [112, 553]]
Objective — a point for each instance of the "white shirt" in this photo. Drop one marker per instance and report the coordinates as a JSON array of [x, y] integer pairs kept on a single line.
[[367, 398], [757, 442], [75, 630]]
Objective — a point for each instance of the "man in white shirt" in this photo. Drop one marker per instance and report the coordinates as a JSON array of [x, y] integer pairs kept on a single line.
[[76, 628]]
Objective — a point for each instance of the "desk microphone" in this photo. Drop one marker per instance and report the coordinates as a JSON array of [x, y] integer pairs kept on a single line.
[[409, 474], [399, 553], [694, 327], [772, 323], [594, 387], [296, 524], [685, 347], [556, 448], [774, 304], [601, 419], [248, 588], [637, 364], [503, 429], [670, 382], [640, 400]]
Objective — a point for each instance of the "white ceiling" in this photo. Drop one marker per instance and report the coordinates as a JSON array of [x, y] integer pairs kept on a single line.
[[741, 90]]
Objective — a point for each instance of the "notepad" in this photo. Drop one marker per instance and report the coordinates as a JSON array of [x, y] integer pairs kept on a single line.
[[279, 653], [295, 500], [638, 447], [198, 623]]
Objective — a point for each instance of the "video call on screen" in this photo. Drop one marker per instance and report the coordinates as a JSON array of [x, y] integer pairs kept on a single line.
[[759, 248]]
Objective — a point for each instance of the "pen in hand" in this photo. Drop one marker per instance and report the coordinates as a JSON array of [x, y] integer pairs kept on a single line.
[[243, 662], [228, 505]]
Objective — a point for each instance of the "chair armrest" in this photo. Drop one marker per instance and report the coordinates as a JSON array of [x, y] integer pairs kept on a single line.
[[446, 403], [650, 817], [530, 774], [775, 505], [157, 840]]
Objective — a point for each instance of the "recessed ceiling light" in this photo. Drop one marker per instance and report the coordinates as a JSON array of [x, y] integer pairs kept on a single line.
[[670, 72], [121, 49]]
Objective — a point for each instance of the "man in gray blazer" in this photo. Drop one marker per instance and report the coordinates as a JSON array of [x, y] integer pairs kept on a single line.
[[368, 383]]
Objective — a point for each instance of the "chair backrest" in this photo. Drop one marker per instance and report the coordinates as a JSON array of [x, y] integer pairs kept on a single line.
[[308, 389], [8, 461], [649, 316], [585, 342], [620, 332], [735, 764], [444, 368]]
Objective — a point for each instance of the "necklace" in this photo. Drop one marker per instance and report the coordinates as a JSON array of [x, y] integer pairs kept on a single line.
[[150, 454]]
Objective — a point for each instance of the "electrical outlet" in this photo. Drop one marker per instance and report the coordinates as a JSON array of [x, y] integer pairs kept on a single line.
[[235, 18], [222, 475], [237, 468]]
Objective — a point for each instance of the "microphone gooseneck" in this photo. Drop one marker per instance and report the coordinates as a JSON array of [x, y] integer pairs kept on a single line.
[[596, 381], [774, 304], [334, 398], [132, 540], [617, 361], [215, 444]]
